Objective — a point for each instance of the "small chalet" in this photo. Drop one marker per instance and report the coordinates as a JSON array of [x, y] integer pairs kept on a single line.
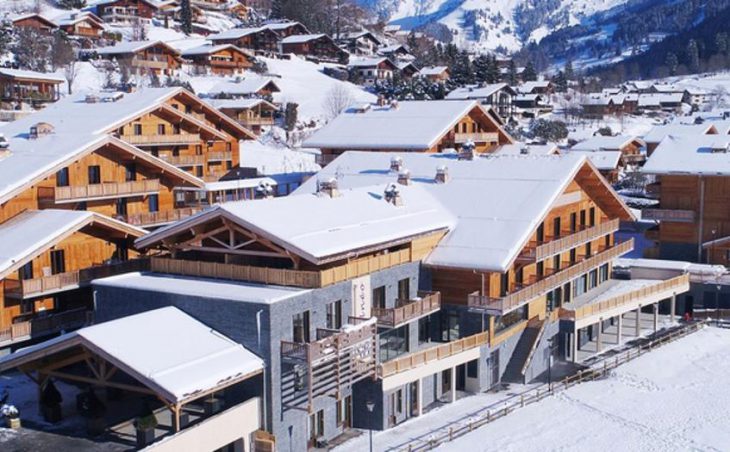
[[359, 43], [286, 29], [411, 126], [143, 57], [28, 86], [36, 22], [250, 113], [249, 87], [319, 46], [536, 87], [84, 25], [372, 70], [435, 74], [223, 59], [671, 102], [396, 52], [531, 105], [499, 96], [611, 155], [128, 12], [260, 39], [408, 70], [659, 133]]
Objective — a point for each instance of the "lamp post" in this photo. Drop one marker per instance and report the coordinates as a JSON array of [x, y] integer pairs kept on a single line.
[[550, 361], [370, 406]]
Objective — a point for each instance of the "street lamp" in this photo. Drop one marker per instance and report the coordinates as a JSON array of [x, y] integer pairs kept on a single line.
[[550, 361], [370, 406]]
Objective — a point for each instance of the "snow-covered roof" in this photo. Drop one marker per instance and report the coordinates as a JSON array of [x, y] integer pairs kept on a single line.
[[126, 47], [277, 26], [238, 183], [19, 73], [647, 100], [433, 70], [603, 160], [78, 126], [165, 349], [498, 201], [700, 154], [528, 87], [527, 149], [320, 228], [664, 88], [478, 92], [73, 18], [31, 232], [208, 49], [369, 61], [247, 86], [235, 33], [240, 104], [606, 143], [658, 133], [680, 266], [393, 48], [416, 125], [297, 39]]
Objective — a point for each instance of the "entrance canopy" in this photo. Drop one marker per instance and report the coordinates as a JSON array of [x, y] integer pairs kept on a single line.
[[172, 356]]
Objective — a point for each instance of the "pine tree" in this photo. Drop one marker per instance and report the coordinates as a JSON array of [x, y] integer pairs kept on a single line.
[[492, 70], [512, 73], [186, 17], [72, 4], [569, 72], [672, 63], [693, 55], [529, 74]]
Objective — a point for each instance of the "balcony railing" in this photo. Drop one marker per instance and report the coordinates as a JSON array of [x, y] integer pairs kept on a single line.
[[150, 63], [161, 140], [535, 252], [476, 137], [44, 325], [220, 156], [522, 296], [679, 283], [257, 121], [106, 190], [329, 341], [669, 215], [162, 217], [431, 354], [633, 158], [428, 303], [229, 63], [184, 160]]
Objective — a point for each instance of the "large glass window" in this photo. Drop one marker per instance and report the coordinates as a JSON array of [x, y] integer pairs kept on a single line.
[[334, 315], [94, 174], [300, 327], [509, 319], [424, 330], [450, 326], [379, 297], [62, 178], [404, 289], [394, 343]]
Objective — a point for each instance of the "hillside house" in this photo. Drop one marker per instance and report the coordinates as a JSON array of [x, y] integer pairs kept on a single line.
[[436, 74], [396, 52], [128, 12], [35, 21], [499, 96], [408, 70], [531, 105], [84, 25], [670, 103], [250, 87], [372, 70], [542, 87], [254, 114], [143, 57], [319, 46], [258, 39], [629, 147], [658, 133], [286, 29], [362, 43], [223, 59], [411, 126], [19, 86]]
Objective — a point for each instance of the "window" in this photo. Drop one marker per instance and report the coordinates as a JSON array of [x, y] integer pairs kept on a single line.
[[573, 221], [424, 330], [130, 172], [541, 233], [607, 241], [379, 297], [603, 273], [404, 289], [94, 175], [121, 207], [160, 129], [589, 249], [582, 218], [393, 343], [519, 276], [153, 203], [556, 262], [472, 369], [540, 270], [122, 253], [556, 227], [26, 271], [137, 129], [176, 129], [450, 326], [334, 315], [503, 284], [592, 216], [316, 424], [300, 327], [62, 178], [198, 149], [572, 256], [399, 401], [58, 262]]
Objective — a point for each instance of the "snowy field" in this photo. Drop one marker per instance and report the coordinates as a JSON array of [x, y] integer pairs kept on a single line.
[[673, 399]]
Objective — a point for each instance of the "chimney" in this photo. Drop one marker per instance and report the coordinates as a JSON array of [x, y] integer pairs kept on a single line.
[[404, 177], [467, 151], [396, 164], [329, 188], [442, 175], [392, 195]]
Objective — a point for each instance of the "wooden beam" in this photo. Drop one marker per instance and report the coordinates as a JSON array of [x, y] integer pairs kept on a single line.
[[111, 384], [237, 252]]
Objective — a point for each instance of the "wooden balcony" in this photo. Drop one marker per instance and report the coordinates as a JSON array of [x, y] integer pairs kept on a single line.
[[432, 354], [162, 217], [177, 139], [520, 297], [633, 159], [45, 324], [106, 190], [184, 160], [278, 276], [408, 310], [257, 121], [628, 300], [150, 63], [476, 137], [535, 251], [229, 64], [220, 156], [47, 285], [669, 215], [336, 360]]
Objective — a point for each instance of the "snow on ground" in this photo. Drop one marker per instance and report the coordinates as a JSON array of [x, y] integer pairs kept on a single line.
[[271, 159], [672, 399]]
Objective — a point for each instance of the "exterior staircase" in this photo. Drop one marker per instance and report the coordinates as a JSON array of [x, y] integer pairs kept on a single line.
[[524, 351]]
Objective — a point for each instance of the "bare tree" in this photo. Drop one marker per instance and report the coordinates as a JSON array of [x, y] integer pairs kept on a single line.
[[139, 30], [32, 49], [70, 72], [337, 100]]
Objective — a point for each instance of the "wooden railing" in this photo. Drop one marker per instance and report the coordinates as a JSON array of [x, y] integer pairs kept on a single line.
[[633, 158], [278, 276], [477, 137], [219, 156], [229, 63], [156, 140], [329, 342], [522, 296], [264, 441], [679, 283], [46, 324], [162, 217], [423, 357], [537, 252], [106, 190], [408, 310], [669, 215], [259, 121], [150, 63], [184, 160], [536, 323]]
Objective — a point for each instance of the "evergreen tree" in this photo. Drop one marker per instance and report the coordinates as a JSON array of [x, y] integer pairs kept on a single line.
[[72, 4], [693, 55], [569, 72], [512, 73], [529, 74], [560, 82], [186, 17], [492, 70], [672, 63]]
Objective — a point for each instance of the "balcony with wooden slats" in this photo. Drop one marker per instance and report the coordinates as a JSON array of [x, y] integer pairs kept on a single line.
[[538, 251], [541, 286], [173, 139], [477, 137], [220, 156], [184, 160], [44, 325], [408, 310], [669, 215], [106, 190], [146, 219]]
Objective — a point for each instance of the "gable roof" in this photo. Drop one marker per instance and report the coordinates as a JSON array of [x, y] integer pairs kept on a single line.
[[240, 104], [30, 233], [208, 49], [498, 201], [479, 92], [132, 47], [319, 228], [237, 33], [691, 155], [73, 18], [412, 125], [605, 143], [247, 86], [298, 39], [31, 75], [39, 17], [364, 62], [434, 70], [658, 133], [165, 349], [603, 160]]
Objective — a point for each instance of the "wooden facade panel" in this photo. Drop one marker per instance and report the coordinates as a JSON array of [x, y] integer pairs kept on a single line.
[[455, 285]]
